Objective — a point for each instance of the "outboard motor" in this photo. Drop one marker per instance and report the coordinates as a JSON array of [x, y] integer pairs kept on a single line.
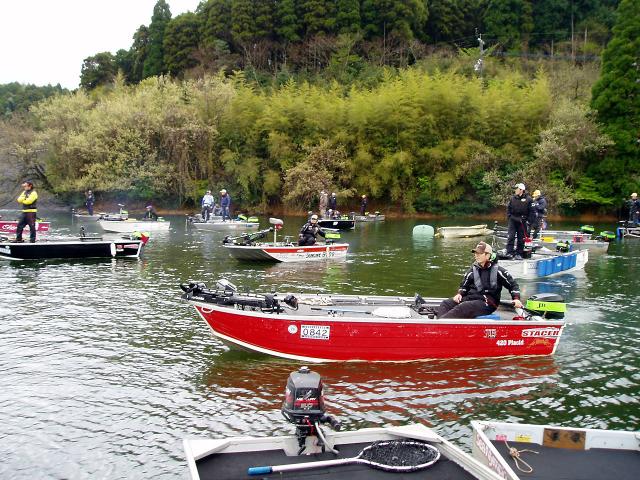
[[304, 406], [546, 305]]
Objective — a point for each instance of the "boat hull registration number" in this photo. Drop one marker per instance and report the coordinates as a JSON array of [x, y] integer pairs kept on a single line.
[[317, 332]]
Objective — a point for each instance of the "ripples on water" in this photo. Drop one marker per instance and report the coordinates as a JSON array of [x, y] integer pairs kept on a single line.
[[104, 370]]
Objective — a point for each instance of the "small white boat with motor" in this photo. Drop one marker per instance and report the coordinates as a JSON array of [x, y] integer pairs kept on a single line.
[[463, 231], [545, 452], [369, 217], [242, 222], [249, 247], [132, 225], [319, 452]]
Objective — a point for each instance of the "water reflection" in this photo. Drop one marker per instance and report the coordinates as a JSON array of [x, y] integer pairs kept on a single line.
[[102, 361]]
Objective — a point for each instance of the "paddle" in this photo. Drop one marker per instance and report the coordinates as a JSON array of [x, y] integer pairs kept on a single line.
[[390, 456]]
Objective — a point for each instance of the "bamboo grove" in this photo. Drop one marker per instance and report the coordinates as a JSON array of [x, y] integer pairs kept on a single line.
[[440, 141]]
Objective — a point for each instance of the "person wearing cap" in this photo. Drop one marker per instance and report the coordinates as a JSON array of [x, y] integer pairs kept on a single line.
[[479, 292], [324, 201], [207, 205], [333, 202], [225, 204], [363, 205], [634, 209], [89, 201], [519, 215], [309, 231], [28, 199], [539, 205], [150, 214]]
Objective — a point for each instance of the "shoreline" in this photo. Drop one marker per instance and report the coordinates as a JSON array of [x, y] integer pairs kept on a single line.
[[487, 218]]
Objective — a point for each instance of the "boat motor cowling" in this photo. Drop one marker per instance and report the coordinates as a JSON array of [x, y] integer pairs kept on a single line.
[[304, 407], [546, 305], [303, 402]]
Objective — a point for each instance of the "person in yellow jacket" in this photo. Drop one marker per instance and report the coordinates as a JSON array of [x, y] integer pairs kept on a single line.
[[28, 199]]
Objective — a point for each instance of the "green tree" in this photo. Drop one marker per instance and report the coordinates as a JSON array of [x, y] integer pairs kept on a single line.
[[616, 97], [154, 61], [243, 27], [124, 63], [510, 22], [100, 69], [139, 52], [347, 16], [180, 43], [403, 18], [318, 16], [216, 21], [287, 22], [551, 20]]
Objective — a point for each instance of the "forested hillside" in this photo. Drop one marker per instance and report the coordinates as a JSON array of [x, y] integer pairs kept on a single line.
[[343, 38], [398, 100]]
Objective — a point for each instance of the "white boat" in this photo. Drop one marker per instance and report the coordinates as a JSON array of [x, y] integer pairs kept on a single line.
[[85, 217], [462, 232], [545, 263], [219, 225], [231, 457], [318, 447], [545, 452], [132, 225], [549, 242], [370, 217], [249, 247]]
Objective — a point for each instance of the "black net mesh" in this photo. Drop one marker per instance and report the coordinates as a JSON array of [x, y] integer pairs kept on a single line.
[[399, 455]]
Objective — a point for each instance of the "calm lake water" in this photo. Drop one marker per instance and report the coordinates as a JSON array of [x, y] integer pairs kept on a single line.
[[104, 370]]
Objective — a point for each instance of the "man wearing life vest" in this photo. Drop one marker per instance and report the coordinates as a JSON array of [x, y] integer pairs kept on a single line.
[[28, 199], [307, 236], [479, 292]]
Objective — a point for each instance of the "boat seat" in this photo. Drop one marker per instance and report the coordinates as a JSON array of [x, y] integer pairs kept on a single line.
[[491, 316], [392, 312]]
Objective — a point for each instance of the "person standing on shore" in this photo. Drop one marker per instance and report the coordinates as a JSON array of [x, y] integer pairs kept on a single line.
[[225, 204], [519, 213], [539, 211], [324, 201], [28, 199], [90, 200], [634, 209]]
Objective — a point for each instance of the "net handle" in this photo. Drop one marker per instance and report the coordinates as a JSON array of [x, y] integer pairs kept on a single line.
[[305, 466]]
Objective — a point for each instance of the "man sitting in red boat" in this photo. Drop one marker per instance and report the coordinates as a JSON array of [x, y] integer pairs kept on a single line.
[[309, 231], [479, 292]]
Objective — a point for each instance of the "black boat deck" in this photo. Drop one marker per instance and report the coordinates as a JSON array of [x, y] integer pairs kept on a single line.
[[234, 466], [552, 463]]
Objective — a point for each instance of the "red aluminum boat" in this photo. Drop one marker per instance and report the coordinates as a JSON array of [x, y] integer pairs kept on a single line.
[[324, 327], [10, 227]]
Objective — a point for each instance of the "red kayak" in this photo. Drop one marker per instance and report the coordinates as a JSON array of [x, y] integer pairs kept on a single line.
[[325, 327], [10, 227]]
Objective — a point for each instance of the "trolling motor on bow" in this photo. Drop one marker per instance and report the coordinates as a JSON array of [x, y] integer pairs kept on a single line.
[[247, 238], [304, 407]]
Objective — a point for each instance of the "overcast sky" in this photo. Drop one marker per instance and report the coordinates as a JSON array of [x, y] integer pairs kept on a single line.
[[45, 41]]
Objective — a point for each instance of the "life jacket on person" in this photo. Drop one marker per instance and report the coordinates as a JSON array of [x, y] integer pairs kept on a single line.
[[29, 201]]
